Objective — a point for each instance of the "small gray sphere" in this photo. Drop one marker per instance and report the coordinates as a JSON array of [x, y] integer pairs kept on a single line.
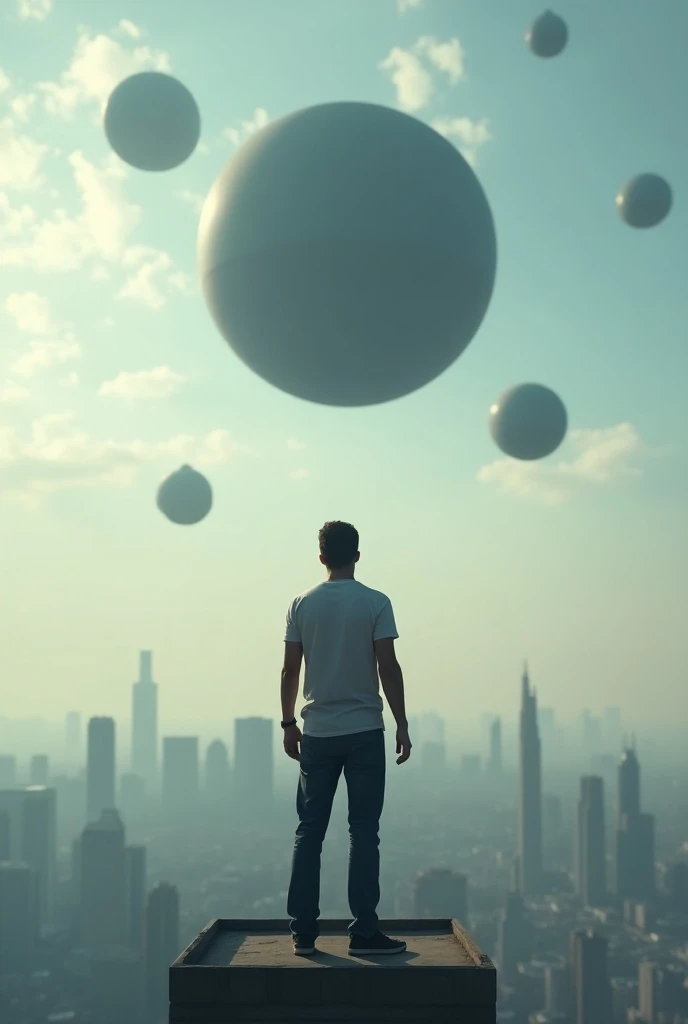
[[347, 253], [152, 121], [548, 35], [644, 201], [185, 497], [528, 422]]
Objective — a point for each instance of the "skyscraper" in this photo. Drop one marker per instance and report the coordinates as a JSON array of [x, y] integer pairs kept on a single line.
[[441, 893], [8, 771], [217, 791], [180, 788], [635, 837], [100, 768], [135, 884], [161, 949], [590, 974], [102, 902], [19, 917], [253, 765], [29, 836], [494, 765], [590, 854], [514, 938], [659, 993], [39, 770], [529, 794], [144, 723]]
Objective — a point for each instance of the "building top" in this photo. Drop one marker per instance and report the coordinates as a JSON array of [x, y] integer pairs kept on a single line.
[[235, 970]]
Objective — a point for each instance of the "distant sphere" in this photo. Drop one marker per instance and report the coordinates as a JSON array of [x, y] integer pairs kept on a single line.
[[528, 422], [548, 35], [347, 254], [185, 497], [152, 121], [644, 201]]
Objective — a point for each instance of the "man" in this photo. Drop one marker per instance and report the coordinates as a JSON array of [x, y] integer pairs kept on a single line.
[[346, 633]]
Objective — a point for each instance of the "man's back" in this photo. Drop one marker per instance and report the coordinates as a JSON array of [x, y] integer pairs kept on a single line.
[[337, 623]]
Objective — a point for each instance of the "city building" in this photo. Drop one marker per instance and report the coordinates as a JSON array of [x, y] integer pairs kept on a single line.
[[558, 989], [217, 775], [100, 768], [39, 770], [660, 993], [529, 857], [8, 771], [28, 831], [19, 916], [591, 989], [136, 887], [590, 867], [161, 940], [254, 766], [514, 939], [635, 838], [676, 884], [494, 765], [441, 893], [433, 756], [180, 786], [144, 723], [103, 891]]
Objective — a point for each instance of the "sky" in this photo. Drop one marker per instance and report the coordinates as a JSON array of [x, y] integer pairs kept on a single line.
[[112, 373]]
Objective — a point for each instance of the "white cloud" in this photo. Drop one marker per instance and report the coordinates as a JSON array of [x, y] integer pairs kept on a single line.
[[42, 355], [5, 81], [34, 10], [411, 80], [468, 136], [12, 393], [21, 158], [31, 312], [128, 28], [299, 474], [59, 454], [161, 382], [599, 457], [70, 380], [409, 5], [144, 286], [181, 282], [98, 65], [22, 104], [259, 120], [194, 199], [447, 57], [294, 445]]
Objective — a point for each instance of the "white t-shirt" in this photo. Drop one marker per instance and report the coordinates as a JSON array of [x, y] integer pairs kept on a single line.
[[337, 622]]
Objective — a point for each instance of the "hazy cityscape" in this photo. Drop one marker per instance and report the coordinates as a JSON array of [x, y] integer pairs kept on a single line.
[[562, 850]]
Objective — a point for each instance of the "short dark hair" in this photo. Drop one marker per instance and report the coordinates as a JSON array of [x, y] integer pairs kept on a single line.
[[338, 544]]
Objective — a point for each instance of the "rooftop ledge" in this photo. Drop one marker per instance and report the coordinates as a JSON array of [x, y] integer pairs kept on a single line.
[[244, 970]]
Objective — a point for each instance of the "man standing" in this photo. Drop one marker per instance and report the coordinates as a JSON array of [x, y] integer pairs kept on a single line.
[[346, 633]]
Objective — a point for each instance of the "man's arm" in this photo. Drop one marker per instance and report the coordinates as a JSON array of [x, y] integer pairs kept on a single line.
[[291, 671], [392, 680]]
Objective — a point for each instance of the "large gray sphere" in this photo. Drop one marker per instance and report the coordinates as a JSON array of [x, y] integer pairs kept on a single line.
[[644, 201], [152, 121], [528, 422], [185, 497], [347, 254], [548, 35]]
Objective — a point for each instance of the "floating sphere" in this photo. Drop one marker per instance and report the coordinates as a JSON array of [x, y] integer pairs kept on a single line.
[[548, 35], [152, 121], [185, 497], [528, 421], [347, 254], [644, 201]]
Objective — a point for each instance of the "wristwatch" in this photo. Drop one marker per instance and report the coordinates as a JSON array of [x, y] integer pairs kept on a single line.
[[288, 725]]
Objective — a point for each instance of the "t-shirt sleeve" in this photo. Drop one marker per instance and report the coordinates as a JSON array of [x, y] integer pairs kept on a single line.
[[291, 633], [385, 626]]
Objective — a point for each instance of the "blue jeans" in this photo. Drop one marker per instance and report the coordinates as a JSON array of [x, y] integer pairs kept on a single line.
[[362, 757]]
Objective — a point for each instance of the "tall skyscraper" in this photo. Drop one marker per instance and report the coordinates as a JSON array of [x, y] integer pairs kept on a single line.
[[135, 883], [8, 771], [19, 916], [590, 974], [494, 765], [100, 768], [73, 737], [217, 777], [39, 770], [514, 938], [635, 838], [590, 853], [103, 902], [180, 787], [28, 825], [253, 765], [441, 893], [660, 993], [529, 794], [144, 723], [161, 949]]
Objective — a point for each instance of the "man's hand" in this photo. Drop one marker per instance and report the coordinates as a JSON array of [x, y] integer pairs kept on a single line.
[[292, 742], [403, 745]]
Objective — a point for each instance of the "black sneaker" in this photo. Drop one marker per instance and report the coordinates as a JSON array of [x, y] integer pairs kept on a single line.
[[374, 945], [303, 945]]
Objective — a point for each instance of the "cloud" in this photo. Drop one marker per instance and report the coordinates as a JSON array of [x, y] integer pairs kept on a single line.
[[128, 28], [409, 5], [21, 159], [5, 81], [294, 445], [34, 10], [195, 199], [299, 474], [70, 380], [42, 355], [161, 382], [600, 457], [59, 455], [12, 393], [99, 64], [31, 312], [411, 77], [260, 119], [153, 277], [22, 104], [468, 136]]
